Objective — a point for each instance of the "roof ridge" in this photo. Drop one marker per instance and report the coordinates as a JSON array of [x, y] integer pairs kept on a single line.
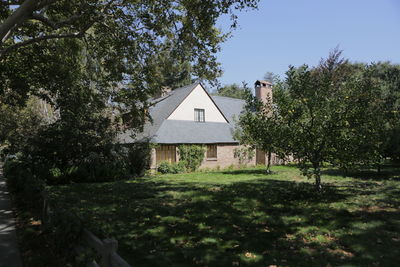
[[232, 98]]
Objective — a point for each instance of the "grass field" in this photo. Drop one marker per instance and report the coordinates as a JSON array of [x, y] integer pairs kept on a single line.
[[245, 218]]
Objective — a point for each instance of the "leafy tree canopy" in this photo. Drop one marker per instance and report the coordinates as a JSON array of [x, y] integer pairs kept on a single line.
[[122, 44], [330, 113], [389, 77]]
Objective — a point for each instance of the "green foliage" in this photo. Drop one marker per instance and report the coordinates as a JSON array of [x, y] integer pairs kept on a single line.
[[138, 158], [171, 71], [107, 165], [388, 77], [102, 64], [22, 180], [123, 45], [191, 155], [258, 127], [79, 144], [330, 113], [233, 90], [176, 167], [209, 212], [17, 124], [244, 154]]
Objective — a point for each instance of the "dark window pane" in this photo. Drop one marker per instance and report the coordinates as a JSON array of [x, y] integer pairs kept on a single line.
[[199, 115]]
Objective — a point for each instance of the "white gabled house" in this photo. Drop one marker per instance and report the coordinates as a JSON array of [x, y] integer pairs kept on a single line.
[[190, 115]]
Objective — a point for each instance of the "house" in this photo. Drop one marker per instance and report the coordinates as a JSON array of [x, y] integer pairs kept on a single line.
[[190, 115]]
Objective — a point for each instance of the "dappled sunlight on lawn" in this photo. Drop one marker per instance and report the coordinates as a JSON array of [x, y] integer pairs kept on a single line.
[[243, 218]]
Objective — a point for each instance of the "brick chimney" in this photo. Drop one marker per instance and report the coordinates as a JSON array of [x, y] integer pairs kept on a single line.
[[263, 90]]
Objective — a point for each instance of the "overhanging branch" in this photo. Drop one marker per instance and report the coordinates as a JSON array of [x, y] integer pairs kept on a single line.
[[55, 24], [39, 39], [19, 16]]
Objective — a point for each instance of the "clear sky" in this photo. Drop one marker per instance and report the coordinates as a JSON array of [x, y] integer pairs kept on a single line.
[[294, 32]]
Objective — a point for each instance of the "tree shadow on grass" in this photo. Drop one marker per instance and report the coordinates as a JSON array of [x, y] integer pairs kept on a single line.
[[247, 171], [392, 172], [253, 223]]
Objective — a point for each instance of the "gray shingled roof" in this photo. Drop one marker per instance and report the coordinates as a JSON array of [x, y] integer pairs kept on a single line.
[[187, 132], [231, 107]]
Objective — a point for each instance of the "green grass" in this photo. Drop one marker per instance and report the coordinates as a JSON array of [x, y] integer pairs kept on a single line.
[[245, 218]]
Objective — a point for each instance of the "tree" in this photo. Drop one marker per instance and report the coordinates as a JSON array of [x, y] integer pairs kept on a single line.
[[17, 124], [96, 62], [388, 76], [271, 77], [124, 38], [170, 71], [330, 113], [260, 128], [232, 90]]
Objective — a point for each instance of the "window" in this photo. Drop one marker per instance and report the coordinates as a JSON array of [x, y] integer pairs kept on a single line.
[[199, 115], [166, 153], [211, 152]]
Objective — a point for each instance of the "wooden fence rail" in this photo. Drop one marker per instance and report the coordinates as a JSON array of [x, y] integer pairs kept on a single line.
[[106, 248]]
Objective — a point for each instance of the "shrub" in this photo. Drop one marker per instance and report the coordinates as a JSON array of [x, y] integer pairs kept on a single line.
[[139, 158], [244, 154], [166, 167], [191, 155], [21, 180], [107, 164]]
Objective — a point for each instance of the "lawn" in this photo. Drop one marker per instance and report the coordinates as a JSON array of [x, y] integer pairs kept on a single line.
[[245, 218]]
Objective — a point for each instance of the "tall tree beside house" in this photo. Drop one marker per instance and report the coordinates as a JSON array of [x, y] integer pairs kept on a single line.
[[260, 128], [329, 113], [81, 134], [172, 70], [86, 57]]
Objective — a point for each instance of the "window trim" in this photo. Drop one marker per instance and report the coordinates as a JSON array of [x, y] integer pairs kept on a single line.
[[199, 112]]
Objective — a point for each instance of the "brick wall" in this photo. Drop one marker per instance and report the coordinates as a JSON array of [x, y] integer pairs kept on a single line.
[[225, 157]]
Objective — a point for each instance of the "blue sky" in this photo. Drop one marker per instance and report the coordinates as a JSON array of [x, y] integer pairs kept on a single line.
[[294, 32]]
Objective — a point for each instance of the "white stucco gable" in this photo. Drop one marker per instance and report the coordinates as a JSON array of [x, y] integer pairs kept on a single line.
[[197, 99]]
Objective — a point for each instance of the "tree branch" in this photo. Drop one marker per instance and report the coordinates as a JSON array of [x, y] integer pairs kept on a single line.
[[55, 24], [44, 20], [39, 39], [19, 16]]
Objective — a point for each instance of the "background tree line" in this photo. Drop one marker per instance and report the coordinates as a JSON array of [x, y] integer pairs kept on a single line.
[[337, 112]]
